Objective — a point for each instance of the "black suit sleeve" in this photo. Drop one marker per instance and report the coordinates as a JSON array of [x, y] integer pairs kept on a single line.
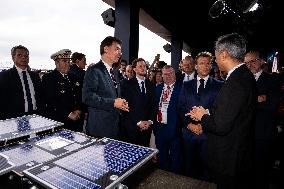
[[225, 110]]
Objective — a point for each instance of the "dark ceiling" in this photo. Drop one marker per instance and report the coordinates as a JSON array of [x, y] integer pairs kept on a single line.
[[191, 22]]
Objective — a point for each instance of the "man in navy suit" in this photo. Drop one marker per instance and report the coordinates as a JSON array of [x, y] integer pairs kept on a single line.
[[200, 91], [20, 88], [268, 91], [230, 124], [101, 92], [167, 129], [139, 93]]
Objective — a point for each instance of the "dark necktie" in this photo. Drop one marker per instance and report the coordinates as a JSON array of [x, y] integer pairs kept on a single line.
[[28, 92], [143, 88], [113, 77], [143, 92], [201, 86]]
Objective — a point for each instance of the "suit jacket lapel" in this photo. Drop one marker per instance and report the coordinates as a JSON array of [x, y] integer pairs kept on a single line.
[[105, 72], [137, 87], [208, 85]]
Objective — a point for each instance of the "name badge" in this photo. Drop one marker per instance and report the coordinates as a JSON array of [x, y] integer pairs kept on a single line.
[[164, 111]]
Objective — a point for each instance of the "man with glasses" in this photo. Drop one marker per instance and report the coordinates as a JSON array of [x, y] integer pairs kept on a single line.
[[268, 96]]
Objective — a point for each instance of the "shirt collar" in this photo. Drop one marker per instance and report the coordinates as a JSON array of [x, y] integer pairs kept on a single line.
[[257, 75], [108, 67], [19, 70], [205, 78], [233, 69], [140, 80], [171, 85]]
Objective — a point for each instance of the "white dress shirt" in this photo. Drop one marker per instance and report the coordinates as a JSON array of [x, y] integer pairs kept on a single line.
[[31, 86]]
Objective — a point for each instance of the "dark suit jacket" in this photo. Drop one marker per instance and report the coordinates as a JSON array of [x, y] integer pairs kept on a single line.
[[173, 129], [140, 109], [99, 94], [229, 128], [266, 111], [12, 103], [78, 72], [61, 96], [189, 98]]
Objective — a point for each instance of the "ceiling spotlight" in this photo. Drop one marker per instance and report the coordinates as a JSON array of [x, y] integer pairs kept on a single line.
[[220, 7], [167, 47], [253, 7]]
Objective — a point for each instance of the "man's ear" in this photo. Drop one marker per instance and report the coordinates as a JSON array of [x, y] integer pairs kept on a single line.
[[105, 49]]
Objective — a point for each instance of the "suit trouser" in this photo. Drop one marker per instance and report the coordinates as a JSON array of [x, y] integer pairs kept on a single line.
[[263, 163], [170, 158], [194, 151]]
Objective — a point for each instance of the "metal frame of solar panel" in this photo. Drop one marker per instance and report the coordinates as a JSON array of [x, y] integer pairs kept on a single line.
[[103, 164], [24, 126], [29, 153]]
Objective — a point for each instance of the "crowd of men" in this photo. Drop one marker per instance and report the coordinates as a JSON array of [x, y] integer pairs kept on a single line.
[[218, 129]]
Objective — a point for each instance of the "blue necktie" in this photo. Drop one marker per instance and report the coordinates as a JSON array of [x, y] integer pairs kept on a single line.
[[28, 92]]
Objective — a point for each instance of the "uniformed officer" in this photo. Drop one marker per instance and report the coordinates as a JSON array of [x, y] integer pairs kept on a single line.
[[62, 93]]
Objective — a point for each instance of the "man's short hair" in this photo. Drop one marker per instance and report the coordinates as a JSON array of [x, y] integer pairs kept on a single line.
[[123, 61], [77, 56], [204, 54], [134, 62], [108, 42], [14, 49]]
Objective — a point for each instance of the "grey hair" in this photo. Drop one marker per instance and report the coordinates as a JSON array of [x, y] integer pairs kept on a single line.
[[234, 44], [14, 49]]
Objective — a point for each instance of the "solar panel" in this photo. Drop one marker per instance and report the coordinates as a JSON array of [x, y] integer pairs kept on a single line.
[[43, 148], [24, 126], [104, 163]]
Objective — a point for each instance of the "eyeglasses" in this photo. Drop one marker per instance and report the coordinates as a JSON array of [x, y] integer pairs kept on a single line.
[[252, 61]]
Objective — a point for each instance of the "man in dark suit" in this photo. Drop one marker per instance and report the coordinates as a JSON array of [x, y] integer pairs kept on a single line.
[[62, 93], [78, 65], [229, 126], [197, 92], [167, 128], [20, 88], [101, 92], [268, 92], [187, 71], [139, 93]]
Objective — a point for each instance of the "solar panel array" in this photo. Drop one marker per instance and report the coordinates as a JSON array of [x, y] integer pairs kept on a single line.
[[100, 165]]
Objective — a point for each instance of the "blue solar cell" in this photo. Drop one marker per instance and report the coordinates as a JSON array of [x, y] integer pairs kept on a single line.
[[64, 179]]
